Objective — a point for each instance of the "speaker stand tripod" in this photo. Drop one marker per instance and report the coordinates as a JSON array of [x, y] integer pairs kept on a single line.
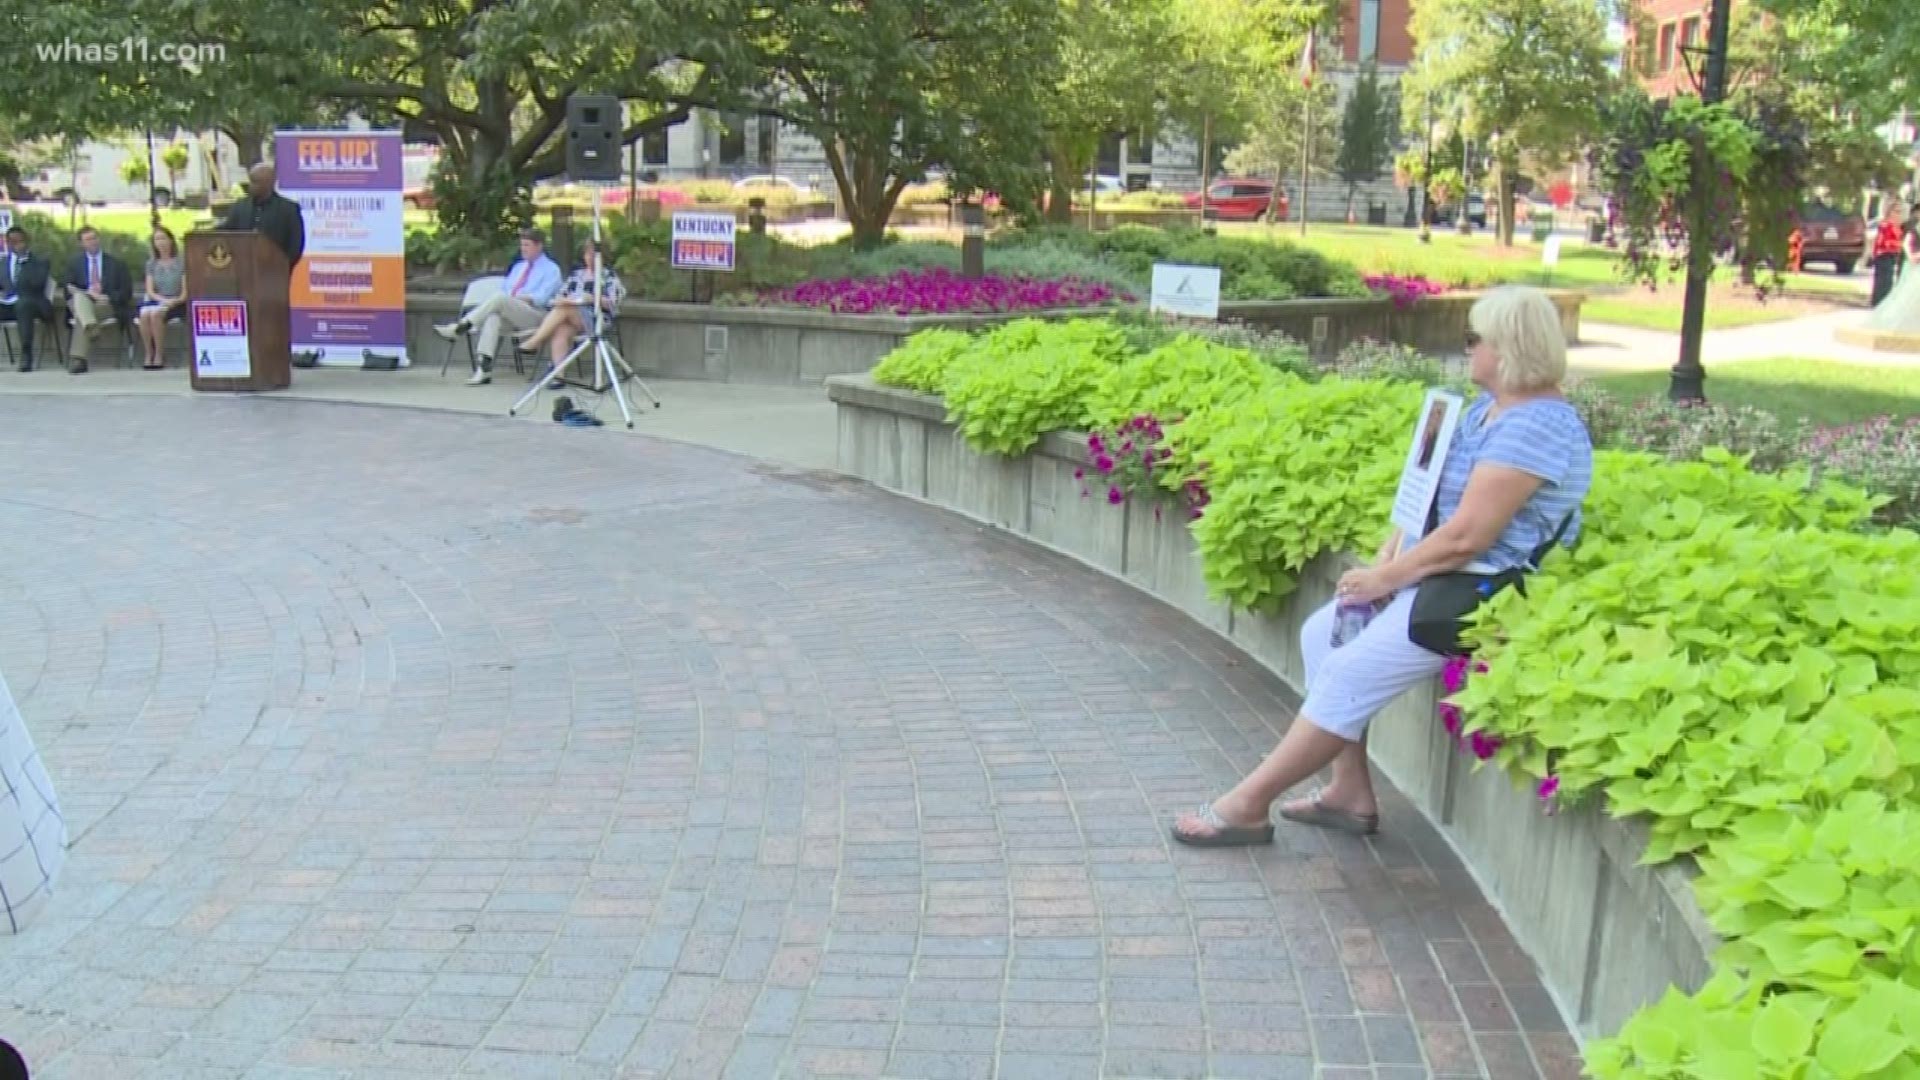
[[606, 361]]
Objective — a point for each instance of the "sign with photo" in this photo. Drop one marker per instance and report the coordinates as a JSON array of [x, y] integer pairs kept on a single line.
[[1426, 456]]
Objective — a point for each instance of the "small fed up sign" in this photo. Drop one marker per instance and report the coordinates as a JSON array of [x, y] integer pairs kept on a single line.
[[1192, 291], [702, 241]]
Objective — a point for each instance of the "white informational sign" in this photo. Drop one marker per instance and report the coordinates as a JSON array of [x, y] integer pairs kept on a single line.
[[1550, 254], [1420, 479], [703, 240], [220, 339], [6, 218], [1192, 291]]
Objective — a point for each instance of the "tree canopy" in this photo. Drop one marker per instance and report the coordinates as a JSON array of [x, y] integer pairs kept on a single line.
[[1525, 76]]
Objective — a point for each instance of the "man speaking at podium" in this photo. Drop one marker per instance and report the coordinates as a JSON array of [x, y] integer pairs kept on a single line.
[[269, 212]]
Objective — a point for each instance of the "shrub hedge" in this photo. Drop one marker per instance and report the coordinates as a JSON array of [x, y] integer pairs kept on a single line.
[[1733, 653]]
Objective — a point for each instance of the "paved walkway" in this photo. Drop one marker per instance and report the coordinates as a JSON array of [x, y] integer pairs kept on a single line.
[[1605, 347], [412, 744], [793, 424]]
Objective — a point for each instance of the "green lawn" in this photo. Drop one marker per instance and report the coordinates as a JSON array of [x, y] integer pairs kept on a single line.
[[133, 221], [1818, 390], [1625, 310], [1476, 261], [1459, 261]]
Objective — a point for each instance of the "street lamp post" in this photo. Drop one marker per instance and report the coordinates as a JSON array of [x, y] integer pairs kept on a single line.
[[1426, 183], [1689, 379], [153, 199]]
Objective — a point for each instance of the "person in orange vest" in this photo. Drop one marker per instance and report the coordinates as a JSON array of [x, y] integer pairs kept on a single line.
[[1889, 248], [1796, 243]]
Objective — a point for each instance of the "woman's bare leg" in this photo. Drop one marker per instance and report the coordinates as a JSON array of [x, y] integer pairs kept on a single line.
[[562, 343], [1303, 751], [1351, 788], [545, 330]]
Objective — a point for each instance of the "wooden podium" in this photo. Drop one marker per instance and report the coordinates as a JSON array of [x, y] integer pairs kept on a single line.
[[238, 314]]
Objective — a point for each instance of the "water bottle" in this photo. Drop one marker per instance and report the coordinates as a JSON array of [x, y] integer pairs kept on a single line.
[[1350, 618]]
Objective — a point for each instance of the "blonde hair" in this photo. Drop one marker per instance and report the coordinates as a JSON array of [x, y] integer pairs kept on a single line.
[[1523, 327]]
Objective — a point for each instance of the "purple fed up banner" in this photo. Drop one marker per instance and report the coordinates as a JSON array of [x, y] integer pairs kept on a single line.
[[349, 293]]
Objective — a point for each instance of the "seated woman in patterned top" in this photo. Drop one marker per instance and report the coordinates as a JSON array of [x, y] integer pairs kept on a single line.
[[1513, 479], [572, 311]]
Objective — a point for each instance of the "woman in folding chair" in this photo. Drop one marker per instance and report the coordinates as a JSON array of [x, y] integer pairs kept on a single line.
[[572, 311]]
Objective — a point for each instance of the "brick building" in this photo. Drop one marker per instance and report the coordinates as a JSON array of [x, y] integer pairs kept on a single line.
[[1666, 44]]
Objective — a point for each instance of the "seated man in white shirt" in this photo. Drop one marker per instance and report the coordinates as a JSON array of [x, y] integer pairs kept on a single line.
[[521, 304]]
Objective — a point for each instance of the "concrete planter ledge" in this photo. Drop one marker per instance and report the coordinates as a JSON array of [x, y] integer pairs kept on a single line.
[[723, 343], [1610, 936], [797, 346], [1432, 324]]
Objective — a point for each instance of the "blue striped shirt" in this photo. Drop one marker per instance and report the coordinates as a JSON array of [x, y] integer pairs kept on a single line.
[[1544, 437]]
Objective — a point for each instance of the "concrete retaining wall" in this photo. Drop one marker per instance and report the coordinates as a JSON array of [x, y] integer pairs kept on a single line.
[[786, 346], [1434, 324], [718, 343], [1609, 936]]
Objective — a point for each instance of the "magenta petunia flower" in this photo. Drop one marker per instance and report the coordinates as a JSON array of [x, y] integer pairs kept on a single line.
[[1484, 746], [1116, 496], [1549, 787]]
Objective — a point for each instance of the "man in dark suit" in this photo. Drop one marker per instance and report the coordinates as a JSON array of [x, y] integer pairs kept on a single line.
[[23, 292], [266, 210], [99, 285]]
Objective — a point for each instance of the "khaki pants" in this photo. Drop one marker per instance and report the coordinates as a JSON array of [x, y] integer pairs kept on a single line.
[[502, 311], [87, 314]]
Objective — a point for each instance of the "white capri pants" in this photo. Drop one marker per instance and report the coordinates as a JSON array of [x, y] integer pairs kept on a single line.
[[1347, 686]]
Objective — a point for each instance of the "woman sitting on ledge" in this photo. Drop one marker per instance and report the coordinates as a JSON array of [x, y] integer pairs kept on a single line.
[[572, 311], [1513, 480]]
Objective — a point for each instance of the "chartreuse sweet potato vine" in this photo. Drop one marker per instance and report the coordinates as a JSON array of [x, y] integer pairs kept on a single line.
[[1734, 655]]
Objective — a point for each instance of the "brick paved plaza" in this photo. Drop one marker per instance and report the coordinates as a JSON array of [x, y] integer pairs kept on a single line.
[[402, 744]]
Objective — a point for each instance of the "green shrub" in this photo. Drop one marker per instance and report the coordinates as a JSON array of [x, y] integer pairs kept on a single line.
[[58, 244], [1682, 432], [933, 194], [1385, 360], [1249, 269], [1293, 472], [1027, 378], [921, 362], [1048, 262], [1148, 330], [889, 259], [1180, 378]]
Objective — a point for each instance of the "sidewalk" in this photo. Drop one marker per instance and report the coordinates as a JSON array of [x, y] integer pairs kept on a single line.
[[790, 424], [1605, 348]]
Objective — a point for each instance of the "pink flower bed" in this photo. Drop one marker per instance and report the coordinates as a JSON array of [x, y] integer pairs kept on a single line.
[[1403, 291], [942, 292]]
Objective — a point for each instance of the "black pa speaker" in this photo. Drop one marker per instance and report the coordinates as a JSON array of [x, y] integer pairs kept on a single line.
[[593, 137]]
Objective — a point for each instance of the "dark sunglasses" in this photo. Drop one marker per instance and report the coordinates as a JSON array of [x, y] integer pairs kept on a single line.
[[1473, 339]]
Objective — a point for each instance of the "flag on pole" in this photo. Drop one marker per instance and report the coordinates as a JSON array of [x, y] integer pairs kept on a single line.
[[1307, 60]]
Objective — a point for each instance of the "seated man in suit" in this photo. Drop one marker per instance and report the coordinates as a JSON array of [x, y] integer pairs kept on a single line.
[[23, 292], [531, 283], [99, 285]]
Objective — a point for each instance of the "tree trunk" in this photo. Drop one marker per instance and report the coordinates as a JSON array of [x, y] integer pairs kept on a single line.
[[1206, 160], [1059, 200], [1508, 165], [247, 141]]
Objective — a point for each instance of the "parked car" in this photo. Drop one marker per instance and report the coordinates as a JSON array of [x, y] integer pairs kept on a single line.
[[1476, 212], [1239, 199], [763, 180], [1832, 236]]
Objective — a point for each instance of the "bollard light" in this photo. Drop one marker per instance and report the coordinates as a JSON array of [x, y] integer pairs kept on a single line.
[[973, 241]]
